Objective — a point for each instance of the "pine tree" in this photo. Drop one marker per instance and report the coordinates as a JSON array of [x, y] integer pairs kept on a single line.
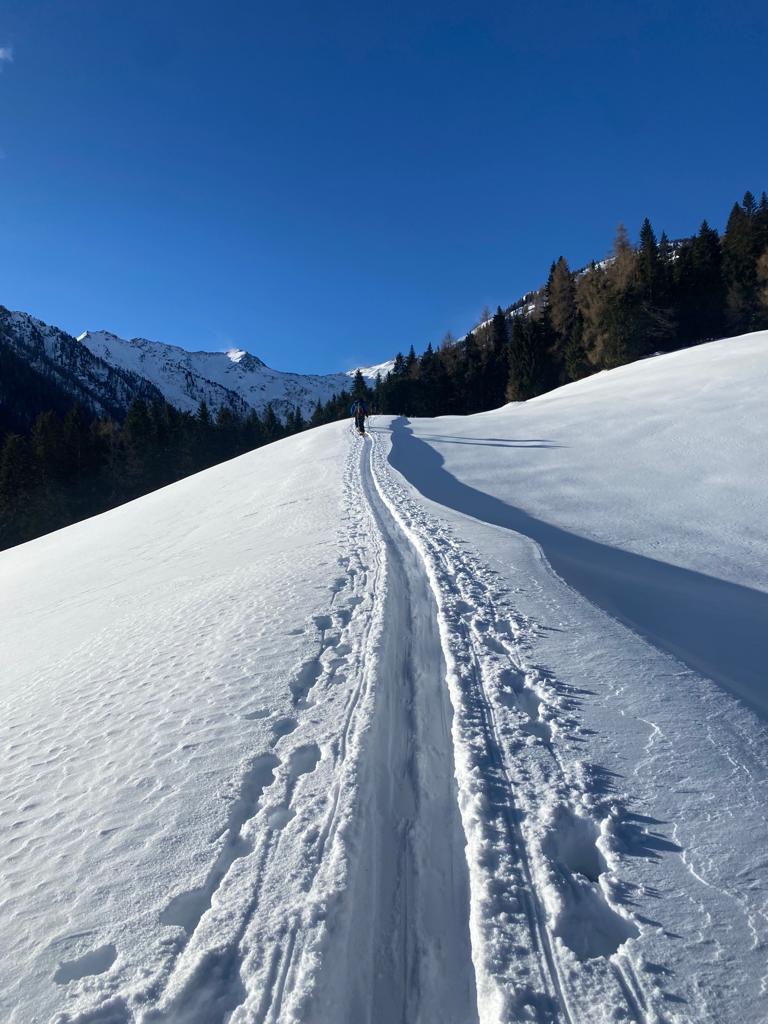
[[47, 449], [317, 418], [762, 281], [649, 267], [273, 429], [360, 390], [203, 414], [561, 319], [592, 297], [499, 336], [741, 250], [471, 376], [17, 513], [525, 363], [561, 298], [295, 422], [576, 362], [495, 362], [700, 292]]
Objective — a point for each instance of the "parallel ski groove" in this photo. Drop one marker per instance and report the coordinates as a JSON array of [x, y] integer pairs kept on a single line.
[[442, 558]]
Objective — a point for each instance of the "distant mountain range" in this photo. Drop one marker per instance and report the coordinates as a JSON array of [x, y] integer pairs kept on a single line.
[[44, 367]]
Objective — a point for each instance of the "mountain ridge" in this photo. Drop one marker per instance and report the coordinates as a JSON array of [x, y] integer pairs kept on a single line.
[[46, 367]]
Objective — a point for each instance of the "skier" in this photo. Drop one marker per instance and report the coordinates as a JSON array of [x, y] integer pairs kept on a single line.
[[359, 411]]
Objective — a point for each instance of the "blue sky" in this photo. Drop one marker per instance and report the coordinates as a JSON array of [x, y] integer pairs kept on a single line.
[[324, 184]]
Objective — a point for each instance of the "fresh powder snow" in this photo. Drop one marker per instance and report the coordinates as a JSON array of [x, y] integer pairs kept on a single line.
[[462, 721]]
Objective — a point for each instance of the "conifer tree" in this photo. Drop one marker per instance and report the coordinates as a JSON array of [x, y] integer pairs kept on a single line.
[[741, 245], [649, 264], [524, 360], [271, 424], [700, 293], [359, 388], [762, 281], [471, 375], [16, 491], [561, 318], [317, 418]]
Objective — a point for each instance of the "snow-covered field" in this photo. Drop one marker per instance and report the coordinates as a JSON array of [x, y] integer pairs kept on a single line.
[[311, 738]]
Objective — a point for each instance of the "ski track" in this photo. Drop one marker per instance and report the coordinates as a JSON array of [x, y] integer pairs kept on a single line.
[[551, 939], [526, 882]]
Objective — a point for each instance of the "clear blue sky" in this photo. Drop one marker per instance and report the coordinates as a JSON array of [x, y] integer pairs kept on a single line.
[[324, 183]]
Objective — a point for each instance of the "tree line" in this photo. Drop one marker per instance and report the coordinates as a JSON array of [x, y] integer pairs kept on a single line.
[[655, 296], [72, 466]]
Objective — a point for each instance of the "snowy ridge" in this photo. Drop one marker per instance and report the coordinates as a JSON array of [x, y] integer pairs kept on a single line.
[[105, 388], [372, 372], [234, 379]]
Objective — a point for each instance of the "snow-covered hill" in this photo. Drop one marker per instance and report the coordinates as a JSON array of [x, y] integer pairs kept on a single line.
[[393, 729], [233, 379]]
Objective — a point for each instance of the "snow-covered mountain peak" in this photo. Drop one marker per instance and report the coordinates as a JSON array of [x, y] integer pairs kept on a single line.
[[234, 379], [244, 360], [372, 372]]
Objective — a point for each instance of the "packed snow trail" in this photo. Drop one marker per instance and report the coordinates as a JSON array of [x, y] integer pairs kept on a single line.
[[409, 956], [547, 922], [390, 857]]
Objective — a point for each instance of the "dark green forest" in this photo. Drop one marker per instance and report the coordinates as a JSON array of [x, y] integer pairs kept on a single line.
[[654, 296]]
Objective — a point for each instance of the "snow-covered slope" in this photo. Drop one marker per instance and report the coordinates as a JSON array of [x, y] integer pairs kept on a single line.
[[309, 738], [645, 486], [234, 379]]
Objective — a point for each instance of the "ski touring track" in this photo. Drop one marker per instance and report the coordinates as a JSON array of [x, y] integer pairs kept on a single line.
[[550, 935], [412, 847]]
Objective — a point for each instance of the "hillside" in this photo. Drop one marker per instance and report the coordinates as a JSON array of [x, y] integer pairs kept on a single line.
[[389, 729]]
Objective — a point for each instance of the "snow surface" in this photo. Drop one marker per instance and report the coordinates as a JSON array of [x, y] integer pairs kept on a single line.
[[233, 379], [310, 738], [644, 485]]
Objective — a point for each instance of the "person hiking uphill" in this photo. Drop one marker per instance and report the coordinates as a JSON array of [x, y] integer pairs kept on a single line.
[[359, 411]]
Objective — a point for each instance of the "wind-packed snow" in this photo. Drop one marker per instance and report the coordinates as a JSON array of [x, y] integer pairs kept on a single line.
[[310, 738], [233, 379]]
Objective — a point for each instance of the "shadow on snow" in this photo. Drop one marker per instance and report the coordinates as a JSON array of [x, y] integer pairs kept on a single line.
[[715, 627]]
